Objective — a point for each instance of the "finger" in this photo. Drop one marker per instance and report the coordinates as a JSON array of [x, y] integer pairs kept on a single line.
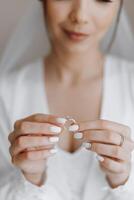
[[128, 145], [113, 166], [107, 137], [105, 124], [42, 118], [34, 128], [102, 136], [112, 151], [36, 155], [28, 142], [11, 136], [42, 128]]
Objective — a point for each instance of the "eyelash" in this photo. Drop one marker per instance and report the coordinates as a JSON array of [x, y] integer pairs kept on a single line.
[[103, 1]]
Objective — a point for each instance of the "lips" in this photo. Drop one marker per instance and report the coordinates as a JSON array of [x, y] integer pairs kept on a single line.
[[76, 35]]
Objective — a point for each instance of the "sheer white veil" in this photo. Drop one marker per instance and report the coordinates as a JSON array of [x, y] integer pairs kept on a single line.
[[29, 41]]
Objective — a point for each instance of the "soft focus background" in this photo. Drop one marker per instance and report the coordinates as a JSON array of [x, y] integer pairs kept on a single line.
[[12, 10], [10, 13]]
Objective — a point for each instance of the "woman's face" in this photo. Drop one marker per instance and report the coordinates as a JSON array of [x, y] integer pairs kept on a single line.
[[79, 25]]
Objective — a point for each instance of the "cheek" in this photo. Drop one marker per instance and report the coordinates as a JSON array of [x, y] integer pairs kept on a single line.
[[55, 18], [104, 18]]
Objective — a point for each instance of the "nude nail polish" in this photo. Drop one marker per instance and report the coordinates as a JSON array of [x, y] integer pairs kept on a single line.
[[74, 127], [87, 145], [78, 135], [99, 158], [55, 129], [54, 139], [53, 151], [61, 120]]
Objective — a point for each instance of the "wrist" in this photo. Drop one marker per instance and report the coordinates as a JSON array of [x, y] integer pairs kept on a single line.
[[117, 180], [36, 179]]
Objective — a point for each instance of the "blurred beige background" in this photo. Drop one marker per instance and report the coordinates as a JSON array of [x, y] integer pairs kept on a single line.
[[11, 10]]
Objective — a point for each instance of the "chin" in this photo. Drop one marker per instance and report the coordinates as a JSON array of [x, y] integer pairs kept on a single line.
[[81, 48]]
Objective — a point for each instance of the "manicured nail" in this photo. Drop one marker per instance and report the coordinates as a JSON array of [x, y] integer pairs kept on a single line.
[[61, 120], [54, 139], [87, 145], [78, 135], [74, 127], [55, 129], [53, 151], [99, 158]]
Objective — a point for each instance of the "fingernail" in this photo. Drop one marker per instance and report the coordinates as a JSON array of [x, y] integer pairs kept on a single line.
[[53, 151], [61, 120], [55, 129], [54, 139], [87, 145], [74, 127], [78, 135], [99, 158]]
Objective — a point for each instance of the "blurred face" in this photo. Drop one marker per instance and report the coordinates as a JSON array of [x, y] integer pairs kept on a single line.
[[79, 25]]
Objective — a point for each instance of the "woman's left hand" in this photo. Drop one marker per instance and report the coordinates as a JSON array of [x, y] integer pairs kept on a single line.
[[112, 142]]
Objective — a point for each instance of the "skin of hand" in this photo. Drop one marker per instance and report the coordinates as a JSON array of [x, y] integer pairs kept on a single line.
[[104, 138], [32, 143]]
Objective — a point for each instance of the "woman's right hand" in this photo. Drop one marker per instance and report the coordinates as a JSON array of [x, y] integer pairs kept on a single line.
[[32, 143]]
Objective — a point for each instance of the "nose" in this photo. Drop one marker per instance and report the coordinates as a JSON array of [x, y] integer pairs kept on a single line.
[[80, 12]]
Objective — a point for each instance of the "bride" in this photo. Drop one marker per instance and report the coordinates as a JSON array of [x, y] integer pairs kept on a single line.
[[69, 115]]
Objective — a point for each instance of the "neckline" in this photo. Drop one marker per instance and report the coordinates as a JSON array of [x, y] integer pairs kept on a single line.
[[45, 99], [76, 153]]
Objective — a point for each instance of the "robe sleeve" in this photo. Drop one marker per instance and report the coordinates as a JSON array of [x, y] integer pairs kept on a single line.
[[13, 185], [123, 192], [126, 191]]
